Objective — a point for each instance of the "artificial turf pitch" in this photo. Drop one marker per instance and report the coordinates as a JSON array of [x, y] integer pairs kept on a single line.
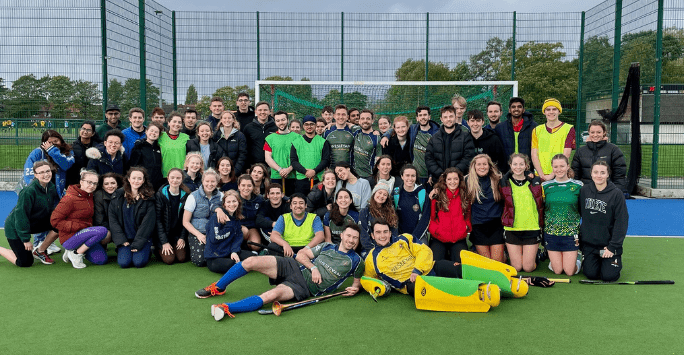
[[57, 309]]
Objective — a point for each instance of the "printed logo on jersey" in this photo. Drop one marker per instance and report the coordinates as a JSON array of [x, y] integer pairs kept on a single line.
[[423, 292], [595, 205]]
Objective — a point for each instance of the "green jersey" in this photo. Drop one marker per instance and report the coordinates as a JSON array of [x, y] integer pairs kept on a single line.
[[419, 149], [335, 267], [340, 141], [366, 148], [279, 145], [561, 207]]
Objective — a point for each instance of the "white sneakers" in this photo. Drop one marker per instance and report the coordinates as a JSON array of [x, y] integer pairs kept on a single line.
[[76, 259], [53, 248]]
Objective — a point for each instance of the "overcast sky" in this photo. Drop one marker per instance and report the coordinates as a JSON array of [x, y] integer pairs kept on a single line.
[[400, 6]]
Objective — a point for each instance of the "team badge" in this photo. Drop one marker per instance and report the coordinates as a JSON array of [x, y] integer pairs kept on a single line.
[[416, 208]]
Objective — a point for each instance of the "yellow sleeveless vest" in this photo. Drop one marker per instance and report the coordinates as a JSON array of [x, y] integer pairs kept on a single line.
[[550, 144]]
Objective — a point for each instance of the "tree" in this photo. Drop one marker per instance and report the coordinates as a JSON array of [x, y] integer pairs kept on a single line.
[[87, 100], [27, 97], [59, 91], [202, 106], [489, 64], [3, 96], [191, 95], [598, 66], [115, 92], [131, 96]]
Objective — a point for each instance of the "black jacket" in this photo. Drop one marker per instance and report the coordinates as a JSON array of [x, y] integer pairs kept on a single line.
[[505, 132], [215, 150], [104, 164], [449, 150], [318, 200], [101, 201], [490, 144], [255, 135], [604, 217], [145, 216], [148, 156], [400, 156], [267, 215], [595, 151], [163, 212], [235, 147], [78, 149], [192, 133], [245, 118]]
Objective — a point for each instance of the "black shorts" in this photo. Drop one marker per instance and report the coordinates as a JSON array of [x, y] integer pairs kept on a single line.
[[290, 276], [560, 242], [488, 233], [522, 237]]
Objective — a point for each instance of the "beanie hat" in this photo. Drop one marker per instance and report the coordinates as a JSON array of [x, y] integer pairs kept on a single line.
[[552, 102], [380, 186]]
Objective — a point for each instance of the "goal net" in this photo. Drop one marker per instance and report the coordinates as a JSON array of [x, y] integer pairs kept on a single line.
[[391, 98]]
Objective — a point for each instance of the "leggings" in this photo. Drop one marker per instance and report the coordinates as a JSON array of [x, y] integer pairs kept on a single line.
[[196, 251], [138, 259], [441, 249], [91, 237], [221, 265]]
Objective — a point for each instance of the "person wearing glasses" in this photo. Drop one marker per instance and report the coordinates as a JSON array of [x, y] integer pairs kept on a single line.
[[31, 215], [109, 156]]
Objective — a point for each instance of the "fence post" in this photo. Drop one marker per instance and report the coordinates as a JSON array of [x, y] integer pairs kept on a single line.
[[427, 54], [656, 97], [342, 56], [514, 45], [616, 66], [579, 125], [143, 68], [175, 68], [258, 49], [103, 36]]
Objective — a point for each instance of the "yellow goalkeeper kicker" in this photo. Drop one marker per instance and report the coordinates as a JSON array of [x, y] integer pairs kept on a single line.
[[477, 267], [375, 287], [455, 295]]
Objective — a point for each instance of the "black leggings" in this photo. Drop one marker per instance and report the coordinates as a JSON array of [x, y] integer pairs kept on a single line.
[[275, 249], [442, 268], [221, 265], [441, 249], [24, 257]]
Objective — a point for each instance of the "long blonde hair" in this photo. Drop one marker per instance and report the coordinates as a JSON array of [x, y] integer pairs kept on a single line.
[[473, 182], [191, 155]]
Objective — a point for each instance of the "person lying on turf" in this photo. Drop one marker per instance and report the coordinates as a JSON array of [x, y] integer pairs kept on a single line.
[[315, 271], [399, 259]]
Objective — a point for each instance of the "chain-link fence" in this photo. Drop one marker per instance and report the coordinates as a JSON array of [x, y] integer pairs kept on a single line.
[[56, 55]]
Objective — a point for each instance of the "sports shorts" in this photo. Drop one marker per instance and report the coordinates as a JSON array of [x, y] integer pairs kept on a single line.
[[288, 274]]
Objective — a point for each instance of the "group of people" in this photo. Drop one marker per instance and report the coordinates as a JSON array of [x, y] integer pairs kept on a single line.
[[330, 191]]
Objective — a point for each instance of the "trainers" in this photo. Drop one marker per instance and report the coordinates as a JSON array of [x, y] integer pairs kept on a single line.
[[210, 291], [76, 260], [579, 263], [52, 249], [43, 257], [220, 310], [65, 256], [550, 267]]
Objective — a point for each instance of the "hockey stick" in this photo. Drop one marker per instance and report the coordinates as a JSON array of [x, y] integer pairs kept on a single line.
[[263, 246], [648, 282], [565, 281], [278, 308]]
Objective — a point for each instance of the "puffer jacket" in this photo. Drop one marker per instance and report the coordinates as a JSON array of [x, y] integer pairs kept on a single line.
[[452, 225], [535, 187], [605, 151], [235, 147], [440, 156], [505, 132], [102, 163], [145, 216], [148, 156], [73, 213]]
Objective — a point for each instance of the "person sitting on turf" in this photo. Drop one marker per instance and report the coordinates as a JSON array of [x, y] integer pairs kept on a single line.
[[270, 210], [132, 218], [224, 239], [73, 218], [193, 170], [296, 230], [31, 215], [315, 271], [400, 259], [109, 183], [604, 225], [171, 238], [250, 206], [343, 212]]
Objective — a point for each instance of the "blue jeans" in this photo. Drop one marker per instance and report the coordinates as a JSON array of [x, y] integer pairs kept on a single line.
[[138, 259]]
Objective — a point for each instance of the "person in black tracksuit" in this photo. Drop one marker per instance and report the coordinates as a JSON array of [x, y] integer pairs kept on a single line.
[[604, 225]]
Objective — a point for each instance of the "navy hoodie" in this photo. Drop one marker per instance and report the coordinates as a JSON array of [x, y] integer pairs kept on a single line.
[[222, 239], [604, 217]]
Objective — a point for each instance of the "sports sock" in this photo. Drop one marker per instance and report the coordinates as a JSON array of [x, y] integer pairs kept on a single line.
[[234, 273], [248, 304]]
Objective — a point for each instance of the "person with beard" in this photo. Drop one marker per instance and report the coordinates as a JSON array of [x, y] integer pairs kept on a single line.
[[451, 146], [365, 146], [277, 152], [112, 121], [189, 123], [295, 229], [257, 131], [486, 141], [340, 137], [494, 111], [270, 210], [309, 155]]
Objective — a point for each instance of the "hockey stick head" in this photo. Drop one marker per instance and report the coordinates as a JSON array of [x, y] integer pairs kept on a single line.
[[277, 308]]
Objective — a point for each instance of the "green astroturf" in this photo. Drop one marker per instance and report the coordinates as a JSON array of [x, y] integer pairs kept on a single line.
[[107, 310]]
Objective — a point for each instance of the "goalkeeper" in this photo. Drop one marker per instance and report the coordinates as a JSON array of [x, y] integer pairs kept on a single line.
[[399, 260]]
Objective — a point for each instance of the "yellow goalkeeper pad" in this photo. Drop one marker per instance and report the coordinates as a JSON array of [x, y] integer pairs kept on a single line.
[[455, 295], [375, 287], [477, 267]]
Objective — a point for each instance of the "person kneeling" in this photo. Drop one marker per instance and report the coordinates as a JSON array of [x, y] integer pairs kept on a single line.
[[399, 260], [315, 271]]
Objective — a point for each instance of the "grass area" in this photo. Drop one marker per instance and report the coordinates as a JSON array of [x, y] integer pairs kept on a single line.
[[110, 310], [13, 157]]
